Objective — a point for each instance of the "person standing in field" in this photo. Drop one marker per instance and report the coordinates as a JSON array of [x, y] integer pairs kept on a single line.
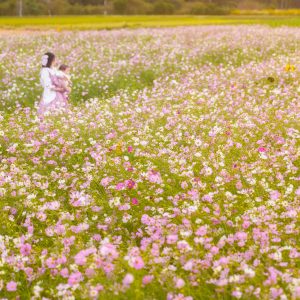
[[64, 81], [53, 95]]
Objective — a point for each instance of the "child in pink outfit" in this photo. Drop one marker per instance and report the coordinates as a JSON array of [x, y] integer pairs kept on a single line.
[[63, 82]]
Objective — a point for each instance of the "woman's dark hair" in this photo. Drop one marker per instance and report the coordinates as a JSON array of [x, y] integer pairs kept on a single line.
[[51, 58], [63, 67]]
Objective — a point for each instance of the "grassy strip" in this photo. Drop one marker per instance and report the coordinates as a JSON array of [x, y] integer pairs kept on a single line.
[[110, 22]]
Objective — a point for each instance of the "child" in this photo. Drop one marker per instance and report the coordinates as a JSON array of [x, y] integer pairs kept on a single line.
[[64, 81]]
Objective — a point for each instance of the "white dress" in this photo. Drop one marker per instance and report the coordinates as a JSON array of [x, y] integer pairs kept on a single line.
[[49, 93]]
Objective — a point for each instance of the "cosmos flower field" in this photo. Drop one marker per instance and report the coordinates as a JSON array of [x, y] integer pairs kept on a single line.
[[173, 175]]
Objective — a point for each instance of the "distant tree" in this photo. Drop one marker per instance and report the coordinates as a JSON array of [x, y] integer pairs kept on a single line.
[[8, 7], [120, 6], [20, 8], [130, 7], [56, 7], [53, 7], [87, 2], [163, 8], [224, 3]]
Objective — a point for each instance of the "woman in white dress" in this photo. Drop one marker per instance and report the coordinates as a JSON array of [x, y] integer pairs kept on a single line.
[[52, 95]]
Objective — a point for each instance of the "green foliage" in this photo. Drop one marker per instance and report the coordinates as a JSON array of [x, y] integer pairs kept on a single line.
[[120, 6], [210, 9], [130, 7], [163, 8], [7, 7]]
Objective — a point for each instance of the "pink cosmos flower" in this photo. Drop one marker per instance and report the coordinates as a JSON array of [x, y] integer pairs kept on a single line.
[[138, 263], [246, 224], [239, 185], [171, 296], [262, 149], [145, 219], [134, 201], [80, 259], [214, 250], [28, 272], [237, 294], [241, 237], [69, 241], [276, 293], [128, 279], [11, 286], [154, 177], [64, 273], [183, 245], [94, 291], [97, 237], [111, 135], [194, 194], [274, 195], [79, 199], [207, 198], [201, 231], [30, 229], [13, 211], [60, 229], [54, 205], [106, 181], [80, 228], [61, 260], [75, 278], [109, 251], [51, 263], [89, 272], [130, 184], [172, 238], [108, 267], [296, 293], [25, 249], [179, 283], [147, 279], [130, 149], [184, 185], [120, 186]]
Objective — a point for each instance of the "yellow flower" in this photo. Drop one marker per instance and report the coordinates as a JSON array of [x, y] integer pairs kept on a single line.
[[290, 68], [119, 147]]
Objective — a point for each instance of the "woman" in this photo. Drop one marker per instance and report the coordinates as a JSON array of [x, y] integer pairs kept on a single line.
[[52, 95]]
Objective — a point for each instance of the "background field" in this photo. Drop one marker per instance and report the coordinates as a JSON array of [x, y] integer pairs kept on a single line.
[[109, 22]]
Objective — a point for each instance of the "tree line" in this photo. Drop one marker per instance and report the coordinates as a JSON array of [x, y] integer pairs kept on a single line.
[[77, 7]]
